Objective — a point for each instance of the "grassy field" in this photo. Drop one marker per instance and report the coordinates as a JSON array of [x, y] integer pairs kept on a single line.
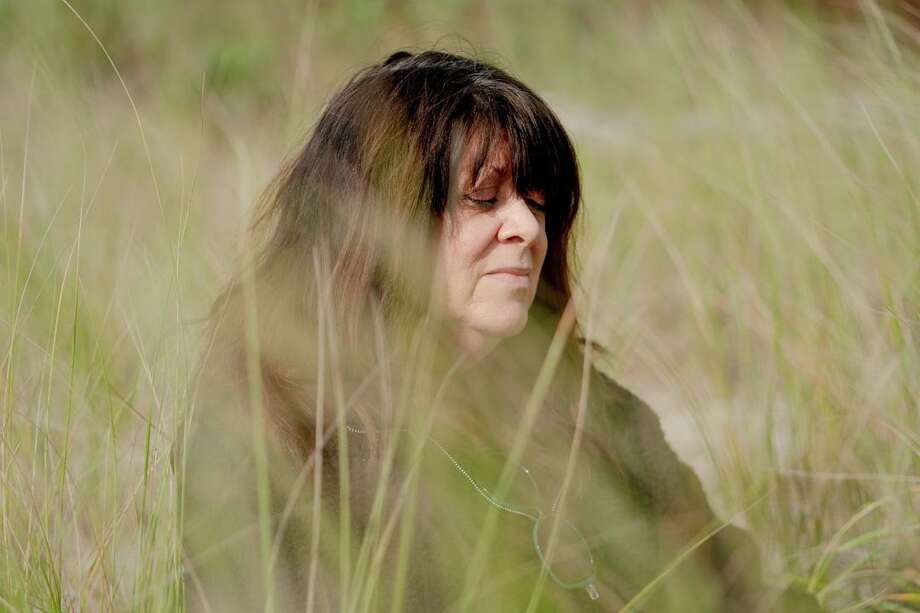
[[761, 289]]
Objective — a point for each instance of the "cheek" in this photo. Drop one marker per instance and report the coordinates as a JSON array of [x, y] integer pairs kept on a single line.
[[476, 237], [470, 243], [540, 248], [461, 246]]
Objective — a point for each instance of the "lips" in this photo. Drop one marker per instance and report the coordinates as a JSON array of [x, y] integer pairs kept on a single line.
[[511, 270], [515, 278]]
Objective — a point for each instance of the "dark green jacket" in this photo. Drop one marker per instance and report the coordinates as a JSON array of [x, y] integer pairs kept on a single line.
[[637, 505]]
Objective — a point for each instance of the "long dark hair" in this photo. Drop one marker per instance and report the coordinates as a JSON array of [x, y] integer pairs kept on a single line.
[[360, 200]]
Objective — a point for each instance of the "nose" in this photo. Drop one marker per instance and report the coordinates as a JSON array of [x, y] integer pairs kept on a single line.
[[518, 222]]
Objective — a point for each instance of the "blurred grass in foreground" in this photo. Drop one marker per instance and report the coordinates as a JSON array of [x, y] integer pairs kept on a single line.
[[762, 289]]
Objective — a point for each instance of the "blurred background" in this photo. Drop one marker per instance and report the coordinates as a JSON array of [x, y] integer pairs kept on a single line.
[[751, 237]]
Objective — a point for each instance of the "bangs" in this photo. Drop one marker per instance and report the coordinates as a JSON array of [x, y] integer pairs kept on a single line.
[[522, 136]]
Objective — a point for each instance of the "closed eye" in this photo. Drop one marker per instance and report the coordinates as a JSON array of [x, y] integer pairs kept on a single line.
[[536, 205], [483, 203]]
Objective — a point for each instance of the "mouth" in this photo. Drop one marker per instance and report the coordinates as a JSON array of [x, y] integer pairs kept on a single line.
[[513, 277], [511, 270]]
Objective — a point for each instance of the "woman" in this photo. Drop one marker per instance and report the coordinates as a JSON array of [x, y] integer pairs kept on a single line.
[[397, 411]]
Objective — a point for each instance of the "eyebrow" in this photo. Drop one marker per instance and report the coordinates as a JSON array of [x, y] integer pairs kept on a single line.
[[487, 172], [500, 170]]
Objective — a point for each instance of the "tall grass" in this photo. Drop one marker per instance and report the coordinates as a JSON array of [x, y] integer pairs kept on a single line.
[[761, 288]]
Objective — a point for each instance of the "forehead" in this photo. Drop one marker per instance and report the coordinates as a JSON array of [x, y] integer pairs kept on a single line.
[[481, 161]]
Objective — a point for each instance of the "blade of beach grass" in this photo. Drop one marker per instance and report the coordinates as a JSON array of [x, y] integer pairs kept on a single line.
[[880, 22], [71, 383], [343, 472], [319, 441], [652, 585], [256, 403], [8, 388], [4, 206], [406, 529], [45, 418], [148, 419], [303, 64], [137, 115], [830, 550], [328, 350], [843, 577]]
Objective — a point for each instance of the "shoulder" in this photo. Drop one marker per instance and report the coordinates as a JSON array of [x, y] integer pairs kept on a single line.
[[628, 432], [619, 416], [615, 401]]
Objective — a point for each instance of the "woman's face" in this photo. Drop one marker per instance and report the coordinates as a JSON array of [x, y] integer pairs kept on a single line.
[[491, 245]]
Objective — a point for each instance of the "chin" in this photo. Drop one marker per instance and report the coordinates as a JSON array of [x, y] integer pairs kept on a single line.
[[507, 322]]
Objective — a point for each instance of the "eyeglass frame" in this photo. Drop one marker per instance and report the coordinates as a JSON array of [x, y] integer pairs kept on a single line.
[[588, 583]]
